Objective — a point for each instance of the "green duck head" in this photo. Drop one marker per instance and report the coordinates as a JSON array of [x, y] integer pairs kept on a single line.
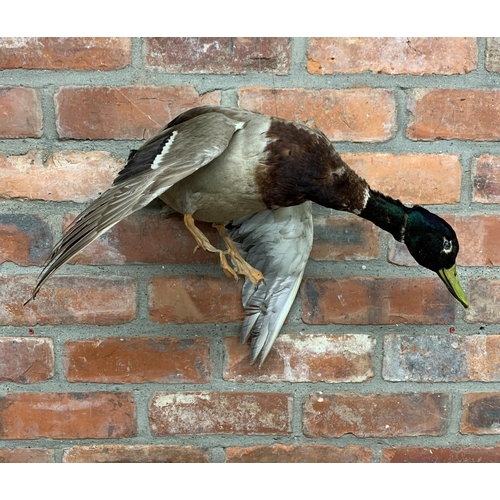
[[433, 244]]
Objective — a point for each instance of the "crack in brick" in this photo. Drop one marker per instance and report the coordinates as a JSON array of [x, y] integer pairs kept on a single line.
[[138, 108]]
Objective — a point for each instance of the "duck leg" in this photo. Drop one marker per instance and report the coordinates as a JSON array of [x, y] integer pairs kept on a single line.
[[240, 266], [203, 243]]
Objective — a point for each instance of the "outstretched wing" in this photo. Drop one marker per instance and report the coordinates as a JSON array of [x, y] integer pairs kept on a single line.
[[278, 243], [176, 152]]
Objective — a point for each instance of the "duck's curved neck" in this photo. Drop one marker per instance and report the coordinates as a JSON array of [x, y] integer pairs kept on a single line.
[[388, 214]]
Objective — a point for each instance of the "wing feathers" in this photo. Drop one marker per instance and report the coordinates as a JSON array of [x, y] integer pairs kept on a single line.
[[94, 221], [195, 143], [278, 243]]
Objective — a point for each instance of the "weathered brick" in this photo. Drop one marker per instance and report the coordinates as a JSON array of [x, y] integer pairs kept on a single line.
[[484, 297], [344, 238], [394, 55], [376, 415], [26, 455], [481, 413], [26, 360], [76, 53], [149, 453], [441, 358], [469, 114], [64, 176], [480, 238], [122, 112], [68, 299], [194, 299], [486, 179], [477, 234], [20, 113], [218, 55], [175, 413], [304, 358], [304, 453], [25, 239], [460, 454], [493, 54], [148, 239], [397, 253], [412, 178], [138, 360], [358, 114], [375, 301], [88, 415]]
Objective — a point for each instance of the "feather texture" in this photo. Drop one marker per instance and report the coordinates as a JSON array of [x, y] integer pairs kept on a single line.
[[278, 243], [195, 143]]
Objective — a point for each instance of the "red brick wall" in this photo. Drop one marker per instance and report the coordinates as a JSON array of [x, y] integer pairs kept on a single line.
[[131, 352]]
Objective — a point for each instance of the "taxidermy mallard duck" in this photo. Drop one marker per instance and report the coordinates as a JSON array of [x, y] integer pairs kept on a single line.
[[254, 177]]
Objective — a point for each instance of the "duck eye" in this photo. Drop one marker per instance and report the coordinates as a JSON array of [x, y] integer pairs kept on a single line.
[[447, 246]]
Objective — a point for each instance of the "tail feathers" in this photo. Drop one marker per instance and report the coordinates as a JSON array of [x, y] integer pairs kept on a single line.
[[278, 243], [254, 302], [267, 313], [258, 343], [249, 324]]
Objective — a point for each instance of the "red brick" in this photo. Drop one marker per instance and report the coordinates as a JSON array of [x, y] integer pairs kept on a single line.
[[64, 176], [303, 453], [359, 114], [194, 299], [26, 360], [26, 455], [480, 238], [174, 413], [147, 239], [484, 297], [477, 234], [87, 415], [376, 301], [412, 178], [470, 114], [460, 454], [395, 55], [376, 415], [138, 360], [304, 358], [219, 55], [149, 453], [20, 113], [397, 253], [122, 112], [344, 238], [441, 358], [25, 240], [486, 179], [53, 53], [493, 54], [68, 299], [481, 413]]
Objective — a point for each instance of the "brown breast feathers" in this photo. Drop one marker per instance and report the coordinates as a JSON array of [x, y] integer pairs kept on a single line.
[[302, 165]]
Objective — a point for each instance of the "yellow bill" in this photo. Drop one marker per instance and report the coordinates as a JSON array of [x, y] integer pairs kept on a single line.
[[450, 279]]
